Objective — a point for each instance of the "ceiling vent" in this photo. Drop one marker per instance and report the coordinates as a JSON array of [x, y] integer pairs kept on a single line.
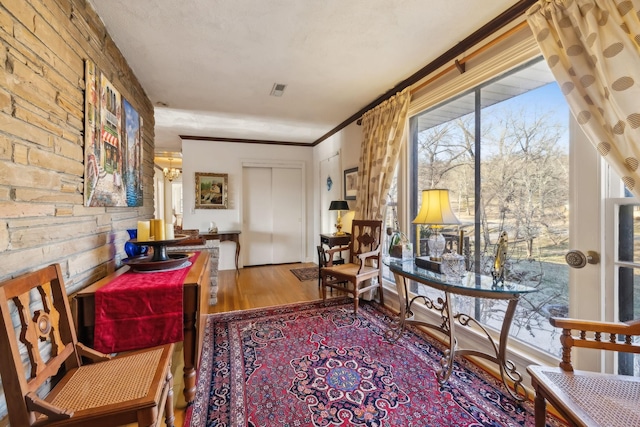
[[278, 89]]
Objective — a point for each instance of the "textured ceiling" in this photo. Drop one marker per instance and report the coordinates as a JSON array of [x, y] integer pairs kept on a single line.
[[209, 65]]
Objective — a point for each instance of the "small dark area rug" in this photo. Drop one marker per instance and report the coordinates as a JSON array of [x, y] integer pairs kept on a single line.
[[305, 273], [318, 364]]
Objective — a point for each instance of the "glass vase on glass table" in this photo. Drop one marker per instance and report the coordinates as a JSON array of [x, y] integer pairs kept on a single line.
[[453, 267]]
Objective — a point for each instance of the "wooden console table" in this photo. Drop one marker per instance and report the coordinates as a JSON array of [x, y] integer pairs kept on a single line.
[[195, 307], [226, 236]]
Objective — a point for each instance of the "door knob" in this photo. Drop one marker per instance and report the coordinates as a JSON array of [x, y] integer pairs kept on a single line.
[[577, 259]]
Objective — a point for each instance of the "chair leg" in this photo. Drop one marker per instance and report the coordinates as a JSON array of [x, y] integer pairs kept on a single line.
[[356, 300], [169, 417], [324, 288], [540, 410], [380, 289]]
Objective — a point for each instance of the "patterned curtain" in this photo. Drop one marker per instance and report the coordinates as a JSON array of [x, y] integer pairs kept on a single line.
[[593, 50], [383, 133]]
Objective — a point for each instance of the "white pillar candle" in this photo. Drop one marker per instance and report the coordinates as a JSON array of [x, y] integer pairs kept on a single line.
[[168, 232]]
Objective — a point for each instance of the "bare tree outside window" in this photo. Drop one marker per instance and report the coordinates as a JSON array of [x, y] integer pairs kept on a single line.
[[524, 182]]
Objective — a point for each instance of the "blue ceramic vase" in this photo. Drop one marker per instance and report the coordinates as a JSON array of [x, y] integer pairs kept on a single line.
[[132, 249]]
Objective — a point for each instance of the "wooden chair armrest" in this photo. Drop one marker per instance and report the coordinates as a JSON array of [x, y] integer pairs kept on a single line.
[[365, 255], [336, 250], [91, 354], [595, 335], [332, 251], [35, 403], [624, 328]]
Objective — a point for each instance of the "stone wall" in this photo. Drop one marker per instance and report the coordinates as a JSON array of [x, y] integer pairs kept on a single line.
[[211, 247], [43, 47]]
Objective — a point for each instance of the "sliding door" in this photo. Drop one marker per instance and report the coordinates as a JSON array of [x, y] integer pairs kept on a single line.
[[273, 215], [286, 189], [258, 214]]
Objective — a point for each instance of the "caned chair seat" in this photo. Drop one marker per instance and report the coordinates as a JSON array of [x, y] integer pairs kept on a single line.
[[353, 270], [112, 382], [587, 398]]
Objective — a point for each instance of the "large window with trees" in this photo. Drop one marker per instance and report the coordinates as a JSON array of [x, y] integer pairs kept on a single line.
[[502, 150]]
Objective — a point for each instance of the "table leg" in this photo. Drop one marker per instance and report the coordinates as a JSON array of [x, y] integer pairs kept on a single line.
[[507, 368], [237, 252], [189, 371], [397, 327], [446, 362]]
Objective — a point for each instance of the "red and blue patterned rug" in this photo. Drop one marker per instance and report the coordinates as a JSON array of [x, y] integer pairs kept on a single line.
[[316, 364]]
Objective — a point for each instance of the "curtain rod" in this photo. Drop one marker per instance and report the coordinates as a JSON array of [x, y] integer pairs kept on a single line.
[[460, 64], [485, 31]]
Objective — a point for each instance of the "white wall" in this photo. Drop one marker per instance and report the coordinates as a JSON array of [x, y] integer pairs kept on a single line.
[[228, 157], [347, 143]]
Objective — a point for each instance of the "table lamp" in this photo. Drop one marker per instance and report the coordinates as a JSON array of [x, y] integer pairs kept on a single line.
[[339, 205], [436, 212]]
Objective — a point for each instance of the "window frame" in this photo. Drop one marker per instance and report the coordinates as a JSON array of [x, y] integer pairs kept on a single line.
[[512, 53]]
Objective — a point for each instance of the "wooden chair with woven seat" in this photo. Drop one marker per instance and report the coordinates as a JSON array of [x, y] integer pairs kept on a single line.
[[587, 398], [55, 387], [363, 263], [325, 261]]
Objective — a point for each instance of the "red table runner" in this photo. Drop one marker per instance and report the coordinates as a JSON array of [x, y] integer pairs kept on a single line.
[[140, 310]]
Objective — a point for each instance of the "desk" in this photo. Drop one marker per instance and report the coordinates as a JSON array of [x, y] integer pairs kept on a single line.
[[226, 236], [472, 285], [195, 307], [330, 240]]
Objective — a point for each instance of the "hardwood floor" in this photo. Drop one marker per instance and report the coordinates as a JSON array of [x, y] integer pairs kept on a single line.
[[252, 287], [263, 286]]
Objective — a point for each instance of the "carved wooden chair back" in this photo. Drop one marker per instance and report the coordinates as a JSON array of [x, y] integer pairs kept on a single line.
[[73, 394], [365, 237]]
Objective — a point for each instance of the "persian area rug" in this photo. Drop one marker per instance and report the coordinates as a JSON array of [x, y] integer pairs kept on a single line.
[[305, 273], [318, 364]]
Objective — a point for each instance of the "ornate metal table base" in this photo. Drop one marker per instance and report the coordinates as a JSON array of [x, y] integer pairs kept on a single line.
[[448, 326]]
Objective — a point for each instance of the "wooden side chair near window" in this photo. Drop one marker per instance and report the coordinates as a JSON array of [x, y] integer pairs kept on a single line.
[[325, 261], [588, 398], [362, 270], [55, 387]]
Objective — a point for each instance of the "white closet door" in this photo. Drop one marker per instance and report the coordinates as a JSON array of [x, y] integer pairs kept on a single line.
[[258, 216], [287, 215]]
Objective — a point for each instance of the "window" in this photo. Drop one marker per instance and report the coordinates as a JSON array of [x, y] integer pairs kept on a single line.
[[502, 150], [628, 266]]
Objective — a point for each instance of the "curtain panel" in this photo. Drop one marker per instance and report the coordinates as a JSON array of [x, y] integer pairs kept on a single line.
[[383, 133], [593, 50]]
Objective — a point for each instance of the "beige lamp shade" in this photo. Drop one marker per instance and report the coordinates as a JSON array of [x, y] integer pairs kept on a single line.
[[436, 208]]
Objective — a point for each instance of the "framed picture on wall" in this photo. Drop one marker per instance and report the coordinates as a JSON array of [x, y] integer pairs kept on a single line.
[[211, 190], [350, 183]]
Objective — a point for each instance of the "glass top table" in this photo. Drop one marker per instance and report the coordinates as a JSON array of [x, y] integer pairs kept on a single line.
[[471, 285]]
